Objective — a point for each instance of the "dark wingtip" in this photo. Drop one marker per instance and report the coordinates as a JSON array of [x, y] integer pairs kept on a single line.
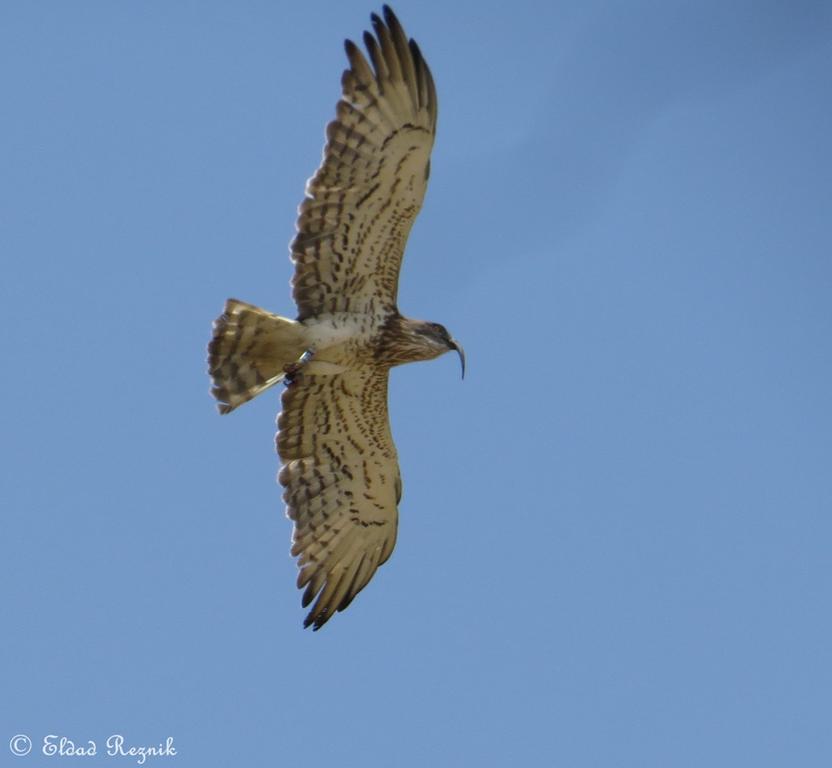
[[314, 622], [389, 15]]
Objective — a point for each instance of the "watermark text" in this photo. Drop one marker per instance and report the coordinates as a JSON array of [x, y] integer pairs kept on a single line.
[[115, 745]]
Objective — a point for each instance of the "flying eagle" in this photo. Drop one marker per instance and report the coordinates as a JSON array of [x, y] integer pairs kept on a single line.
[[339, 468]]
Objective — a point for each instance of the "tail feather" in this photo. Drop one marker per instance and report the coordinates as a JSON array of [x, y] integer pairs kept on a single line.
[[248, 352]]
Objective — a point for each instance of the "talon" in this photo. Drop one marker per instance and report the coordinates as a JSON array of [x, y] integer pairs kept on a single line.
[[293, 369]]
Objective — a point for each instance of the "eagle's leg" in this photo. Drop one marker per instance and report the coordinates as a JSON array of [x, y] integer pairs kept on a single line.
[[293, 369]]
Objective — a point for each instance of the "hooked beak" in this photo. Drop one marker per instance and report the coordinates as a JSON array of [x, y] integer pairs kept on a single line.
[[461, 352]]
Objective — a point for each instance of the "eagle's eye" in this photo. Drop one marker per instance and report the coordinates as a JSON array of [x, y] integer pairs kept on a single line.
[[438, 331]]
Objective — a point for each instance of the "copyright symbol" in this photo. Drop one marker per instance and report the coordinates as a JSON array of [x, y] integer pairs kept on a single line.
[[20, 745]]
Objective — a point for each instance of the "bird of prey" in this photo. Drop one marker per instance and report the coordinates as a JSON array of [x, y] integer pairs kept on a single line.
[[340, 469]]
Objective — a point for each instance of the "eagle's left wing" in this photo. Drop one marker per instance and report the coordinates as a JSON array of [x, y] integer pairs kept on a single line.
[[361, 203], [342, 484]]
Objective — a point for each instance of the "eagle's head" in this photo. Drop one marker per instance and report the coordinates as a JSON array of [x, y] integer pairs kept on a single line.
[[440, 341], [415, 340]]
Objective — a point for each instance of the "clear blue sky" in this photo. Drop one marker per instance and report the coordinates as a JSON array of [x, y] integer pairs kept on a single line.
[[615, 533]]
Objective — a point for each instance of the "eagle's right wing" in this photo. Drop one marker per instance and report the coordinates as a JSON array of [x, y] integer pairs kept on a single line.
[[342, 484], [361, 202]]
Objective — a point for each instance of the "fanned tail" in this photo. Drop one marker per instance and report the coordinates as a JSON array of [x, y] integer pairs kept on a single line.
[[248, 352]]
